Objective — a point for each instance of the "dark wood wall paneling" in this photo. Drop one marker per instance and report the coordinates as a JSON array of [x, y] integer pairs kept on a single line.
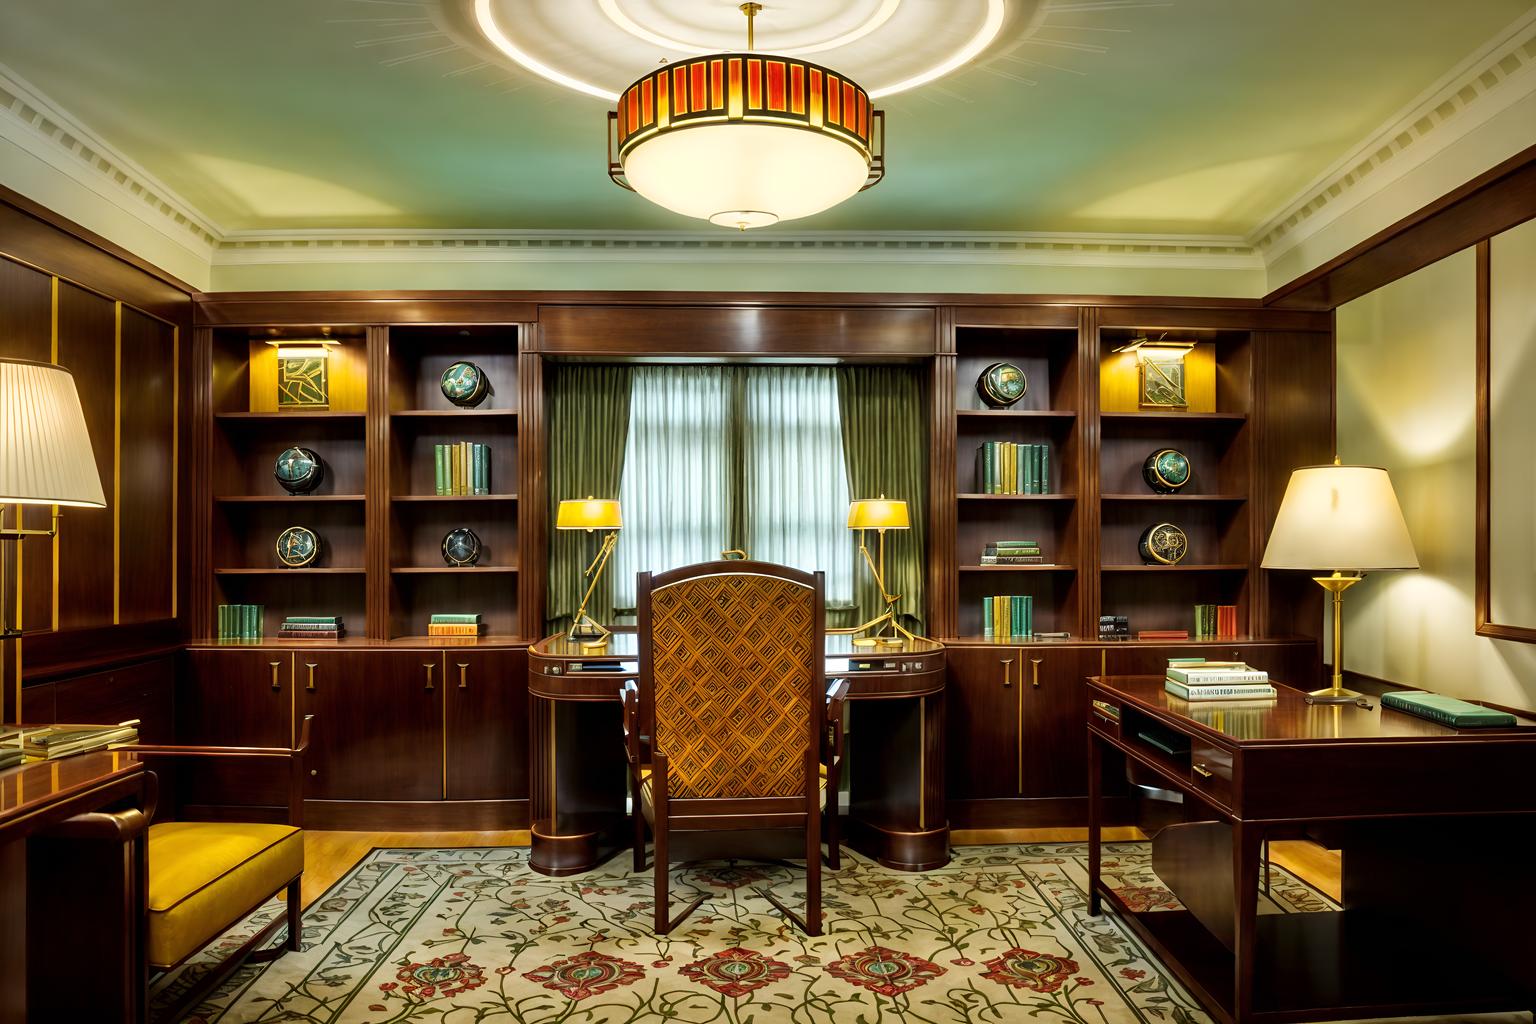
[[62, 291]]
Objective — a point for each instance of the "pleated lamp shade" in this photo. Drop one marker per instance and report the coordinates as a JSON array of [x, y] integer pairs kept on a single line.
[[45, 449]]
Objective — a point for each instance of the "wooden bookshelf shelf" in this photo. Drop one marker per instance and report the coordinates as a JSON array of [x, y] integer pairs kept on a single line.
[[451, 570], [294, 500], [1174, 417], [293, 416], [1018, 568], [316, 571], [454, 497], [454, 413], [1018, 414], [1152, 499], [1181, 567], [1016, 497]]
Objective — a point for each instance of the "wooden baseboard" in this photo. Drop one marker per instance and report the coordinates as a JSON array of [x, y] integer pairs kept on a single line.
[[416, 816], [1037, 812]]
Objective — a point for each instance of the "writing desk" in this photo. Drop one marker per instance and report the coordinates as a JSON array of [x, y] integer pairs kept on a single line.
[[1435, 825], [895, 751], [72, 888]]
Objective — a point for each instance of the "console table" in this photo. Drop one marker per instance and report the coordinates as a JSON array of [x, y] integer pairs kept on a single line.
[[895, 751], [1435, 825]]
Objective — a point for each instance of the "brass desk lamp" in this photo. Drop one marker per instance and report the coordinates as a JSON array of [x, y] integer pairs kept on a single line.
[[45, 459], [591, 514], [1343, 520], [879, 514]]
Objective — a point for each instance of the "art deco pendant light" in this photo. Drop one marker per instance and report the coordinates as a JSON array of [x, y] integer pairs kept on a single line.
[[745, 140]]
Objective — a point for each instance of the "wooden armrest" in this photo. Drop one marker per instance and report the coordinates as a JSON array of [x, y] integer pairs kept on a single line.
[[294, 756], [837, 697], [631, 694], [172, 750]]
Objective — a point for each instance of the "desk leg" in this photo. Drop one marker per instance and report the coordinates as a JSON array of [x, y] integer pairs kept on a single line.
[[576, 781], [1247, 843], [1095, 819]]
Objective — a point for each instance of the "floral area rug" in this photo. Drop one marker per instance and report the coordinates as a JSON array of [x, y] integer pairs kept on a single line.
[[472, 935]]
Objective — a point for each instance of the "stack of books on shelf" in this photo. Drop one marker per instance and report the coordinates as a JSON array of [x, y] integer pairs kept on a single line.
[[11, 753], [1012, 552], [1196, 679], [313, 627], [1114, 627], [1215, 620], [451, 625], [54, 741], [1007, 617], [462, 468], [240, 621], [1003, 467], [1163, 634]]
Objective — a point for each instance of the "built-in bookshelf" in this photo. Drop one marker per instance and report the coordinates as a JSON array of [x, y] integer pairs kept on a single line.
[[377, 511], [1083, 401]]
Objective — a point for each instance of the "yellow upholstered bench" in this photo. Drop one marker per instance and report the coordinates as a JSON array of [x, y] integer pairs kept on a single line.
[[207, 876]]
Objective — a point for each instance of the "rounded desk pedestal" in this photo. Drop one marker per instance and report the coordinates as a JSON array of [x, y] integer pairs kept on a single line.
[[894, 758]]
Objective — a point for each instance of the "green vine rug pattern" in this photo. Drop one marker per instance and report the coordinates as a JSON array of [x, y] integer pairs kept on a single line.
[[466, 936]]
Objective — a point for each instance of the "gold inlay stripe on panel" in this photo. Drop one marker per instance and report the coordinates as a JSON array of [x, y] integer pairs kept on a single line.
[[175, 457], [53, 355], [117, 460]]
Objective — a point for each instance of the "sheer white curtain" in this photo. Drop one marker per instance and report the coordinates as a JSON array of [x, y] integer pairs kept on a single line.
[[794, 482], [675, 488], [722, 457]]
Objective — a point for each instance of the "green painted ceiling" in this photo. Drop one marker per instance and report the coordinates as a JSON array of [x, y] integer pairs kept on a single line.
[[1189, 116]]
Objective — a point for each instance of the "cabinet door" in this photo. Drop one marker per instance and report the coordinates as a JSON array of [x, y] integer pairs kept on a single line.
[[234, 698], [378, 728], [983, 705], [486, 701], [1054, 739]]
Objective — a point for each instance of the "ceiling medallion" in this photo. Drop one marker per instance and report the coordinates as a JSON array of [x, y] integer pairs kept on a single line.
[[745, 140]]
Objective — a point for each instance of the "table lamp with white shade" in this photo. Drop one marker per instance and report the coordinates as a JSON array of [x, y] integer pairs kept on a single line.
[[45, 457], [1344, 520]]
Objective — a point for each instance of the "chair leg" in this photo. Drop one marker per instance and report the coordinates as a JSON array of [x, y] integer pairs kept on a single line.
[[639, 818], [812, 880], [295, 915], [834, 853], [663, 883]]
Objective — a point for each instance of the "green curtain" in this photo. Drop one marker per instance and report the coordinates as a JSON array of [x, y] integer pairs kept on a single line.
[[885, 445], [588, 427]]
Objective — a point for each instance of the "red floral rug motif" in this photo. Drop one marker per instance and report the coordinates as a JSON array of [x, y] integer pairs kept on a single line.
[[586, 974], [1024, 968], [735, 971], [886, 971]]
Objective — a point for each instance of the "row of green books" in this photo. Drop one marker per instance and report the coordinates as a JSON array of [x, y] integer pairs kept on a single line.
[[1215, 620], [1003, 467], [240, 621], [455, 624], [1007, 616], [461, 468], [1012, 552], [312, 627]]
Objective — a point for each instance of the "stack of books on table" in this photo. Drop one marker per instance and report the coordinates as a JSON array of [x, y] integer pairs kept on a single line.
[[462, 468], [1003, 467], [11, 753], [1114, 627], [456, 625], [1007, 617], [1197, 679], [54, 741], [1012, 552], [312, 627], [240, 621], [1215, 620]]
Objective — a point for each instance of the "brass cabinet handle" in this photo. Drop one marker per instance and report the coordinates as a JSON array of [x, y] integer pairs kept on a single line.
[[463, 674], [1202, 771], [275, 665], [429, 666], [1034, 670], [311, 666], [1007, 672]]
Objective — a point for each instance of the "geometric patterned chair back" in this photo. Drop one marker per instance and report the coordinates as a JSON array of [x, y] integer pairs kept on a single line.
[[735, 659]]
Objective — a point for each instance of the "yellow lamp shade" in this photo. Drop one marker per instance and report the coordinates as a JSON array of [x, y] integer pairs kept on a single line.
[[878, 514], [45, 449], [588, 514], [1343, 518]]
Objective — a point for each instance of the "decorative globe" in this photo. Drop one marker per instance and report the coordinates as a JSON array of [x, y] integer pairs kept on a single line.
[[464, 384], [1163, 544], [1001, 384], [461, 547], [297, 546], [1166, 470], [299, 470]]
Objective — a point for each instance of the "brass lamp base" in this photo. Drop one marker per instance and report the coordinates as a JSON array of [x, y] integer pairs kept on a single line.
[[1336, 584], [1333, 695]]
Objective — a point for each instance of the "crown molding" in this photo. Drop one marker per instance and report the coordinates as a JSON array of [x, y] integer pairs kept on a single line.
[[43, 129], [1497, 75], [1194, 252]]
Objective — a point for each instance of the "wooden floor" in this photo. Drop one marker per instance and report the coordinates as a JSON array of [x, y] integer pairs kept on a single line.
[[330, 855]]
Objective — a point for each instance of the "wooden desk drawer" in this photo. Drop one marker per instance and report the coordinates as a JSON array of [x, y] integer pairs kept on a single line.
[[1210, 769]]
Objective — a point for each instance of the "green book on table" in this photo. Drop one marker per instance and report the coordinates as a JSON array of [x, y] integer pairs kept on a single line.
[[1458, 714]]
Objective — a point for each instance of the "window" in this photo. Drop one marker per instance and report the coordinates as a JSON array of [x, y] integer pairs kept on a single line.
[[725, 457]]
